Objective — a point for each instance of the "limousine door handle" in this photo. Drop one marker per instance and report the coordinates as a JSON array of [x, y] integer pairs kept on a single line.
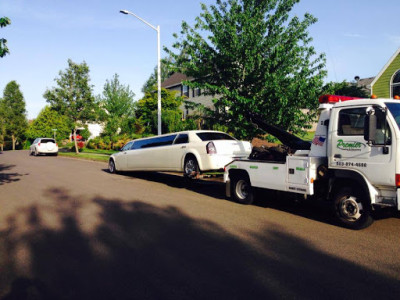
[[183, 147]]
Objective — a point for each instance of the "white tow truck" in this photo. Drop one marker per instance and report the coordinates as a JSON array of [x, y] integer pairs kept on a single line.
[[353, 160]]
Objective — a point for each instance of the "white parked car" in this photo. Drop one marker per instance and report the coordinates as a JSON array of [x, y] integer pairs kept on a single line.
[[43, 146], [191, 152]]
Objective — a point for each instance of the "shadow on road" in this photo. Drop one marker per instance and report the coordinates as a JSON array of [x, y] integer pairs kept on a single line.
[[8, 177], [288, 202], [109, 249], [208, 188]]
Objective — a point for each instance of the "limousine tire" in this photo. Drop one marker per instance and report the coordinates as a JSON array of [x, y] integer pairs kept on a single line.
[[111, 167], [191, 167]]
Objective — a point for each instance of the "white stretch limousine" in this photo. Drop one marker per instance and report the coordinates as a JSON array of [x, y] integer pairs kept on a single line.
[[190, 152]]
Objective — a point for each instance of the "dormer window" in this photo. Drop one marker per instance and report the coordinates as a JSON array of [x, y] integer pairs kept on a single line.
[[185, 90]]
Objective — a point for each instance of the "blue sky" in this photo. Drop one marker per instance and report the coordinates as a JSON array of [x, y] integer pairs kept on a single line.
[[358, 38]]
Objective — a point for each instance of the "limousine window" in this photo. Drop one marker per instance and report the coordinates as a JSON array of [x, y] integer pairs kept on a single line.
[[182, 139], [140, 144], [162, 141], [154, 142], [212, 136], [127, 146]]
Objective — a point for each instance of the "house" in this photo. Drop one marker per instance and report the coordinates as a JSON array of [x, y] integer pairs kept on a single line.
[[387, 83], [95, 130], [174, 83]]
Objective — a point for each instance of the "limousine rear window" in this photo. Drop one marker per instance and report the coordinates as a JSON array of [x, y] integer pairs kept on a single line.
[[212, 136]]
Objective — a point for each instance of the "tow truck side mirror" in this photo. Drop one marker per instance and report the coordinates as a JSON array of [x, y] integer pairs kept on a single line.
[[370, 128]]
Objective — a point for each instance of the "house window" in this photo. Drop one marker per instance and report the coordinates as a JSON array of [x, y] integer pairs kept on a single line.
[[395, 86], [185, 90], [196, 92]]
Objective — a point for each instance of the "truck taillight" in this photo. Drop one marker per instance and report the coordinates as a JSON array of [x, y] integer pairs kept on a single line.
[[335, 98], [397, 180], [211, 148]]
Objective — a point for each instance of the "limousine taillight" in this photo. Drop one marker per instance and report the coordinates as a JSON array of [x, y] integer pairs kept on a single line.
[[211, 148]]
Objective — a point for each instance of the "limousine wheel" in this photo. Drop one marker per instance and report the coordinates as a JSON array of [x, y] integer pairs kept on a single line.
[[191, 168], [111, 166]]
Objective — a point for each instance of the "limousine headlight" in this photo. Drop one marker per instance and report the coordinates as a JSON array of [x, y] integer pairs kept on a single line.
[[211, 148]]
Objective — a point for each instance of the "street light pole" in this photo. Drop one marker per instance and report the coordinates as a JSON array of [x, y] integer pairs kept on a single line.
[[126, 12]]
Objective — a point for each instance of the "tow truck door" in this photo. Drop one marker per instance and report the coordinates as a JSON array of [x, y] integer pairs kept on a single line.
[[349, 151]]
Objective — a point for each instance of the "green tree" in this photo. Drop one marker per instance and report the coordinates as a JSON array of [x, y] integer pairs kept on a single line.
[[47, 120], [167, 68], [345, 88], [14, 113], [73, 96], [3, 42], [255, 58], [116, 106], [171, 115]]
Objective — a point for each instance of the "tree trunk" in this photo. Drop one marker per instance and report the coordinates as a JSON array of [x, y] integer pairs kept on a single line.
[[76, 143], [14, 141]]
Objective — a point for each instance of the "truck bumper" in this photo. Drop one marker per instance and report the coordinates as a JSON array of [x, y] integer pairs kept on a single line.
[[398, 199]]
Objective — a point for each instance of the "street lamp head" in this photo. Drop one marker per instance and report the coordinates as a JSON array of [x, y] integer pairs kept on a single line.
[[123, 11]]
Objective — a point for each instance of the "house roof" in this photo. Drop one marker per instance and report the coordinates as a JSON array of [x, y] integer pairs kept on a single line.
[[386, 66], [174, 80], [365, 82]]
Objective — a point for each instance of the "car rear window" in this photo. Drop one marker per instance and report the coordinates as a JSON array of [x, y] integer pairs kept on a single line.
[[47, 141], [212, 136]]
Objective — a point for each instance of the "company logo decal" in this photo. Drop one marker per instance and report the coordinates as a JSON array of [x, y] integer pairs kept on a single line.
[[350, 145]]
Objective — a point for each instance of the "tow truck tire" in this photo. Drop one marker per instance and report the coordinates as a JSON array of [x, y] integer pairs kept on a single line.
[[352, 210], [242, 191]]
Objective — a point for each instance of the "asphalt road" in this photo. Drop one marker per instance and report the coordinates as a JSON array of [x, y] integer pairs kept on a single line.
[[71, 230]]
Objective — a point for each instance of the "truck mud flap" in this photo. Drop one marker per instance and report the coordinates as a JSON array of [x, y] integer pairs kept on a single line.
[[228, 189]]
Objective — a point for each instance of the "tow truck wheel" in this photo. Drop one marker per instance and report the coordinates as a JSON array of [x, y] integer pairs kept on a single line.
[[241, 189], [351, 209]]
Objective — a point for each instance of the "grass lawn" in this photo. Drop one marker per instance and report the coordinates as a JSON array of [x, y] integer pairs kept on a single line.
[[99, 151], [88, 156]]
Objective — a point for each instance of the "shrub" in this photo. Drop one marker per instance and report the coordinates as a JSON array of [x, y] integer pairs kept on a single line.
[[85, 133], [27, 144]]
